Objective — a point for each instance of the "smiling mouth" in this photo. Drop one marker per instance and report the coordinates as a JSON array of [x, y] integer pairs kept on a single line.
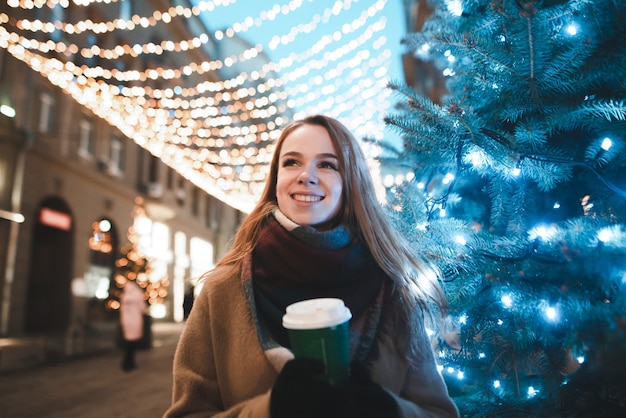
[[306, 198]]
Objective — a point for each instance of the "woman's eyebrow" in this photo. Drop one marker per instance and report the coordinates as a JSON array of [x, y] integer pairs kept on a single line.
[[291, 154], [327, 155], [298, 154]]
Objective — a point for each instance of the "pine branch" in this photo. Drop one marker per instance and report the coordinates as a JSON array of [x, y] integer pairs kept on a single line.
[[609, 110]]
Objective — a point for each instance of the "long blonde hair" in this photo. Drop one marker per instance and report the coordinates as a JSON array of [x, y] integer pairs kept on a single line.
[[414, 280]]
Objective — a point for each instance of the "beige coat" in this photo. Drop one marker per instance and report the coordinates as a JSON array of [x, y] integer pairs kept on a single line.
[[221, 370]]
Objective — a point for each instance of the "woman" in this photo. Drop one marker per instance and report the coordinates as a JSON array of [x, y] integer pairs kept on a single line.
[[132, 308], [317, 231]]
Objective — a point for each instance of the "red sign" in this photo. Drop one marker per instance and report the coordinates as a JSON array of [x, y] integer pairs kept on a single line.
[[55, 219]]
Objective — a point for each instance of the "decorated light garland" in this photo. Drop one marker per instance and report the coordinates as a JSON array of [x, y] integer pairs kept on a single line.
[[218, 134]]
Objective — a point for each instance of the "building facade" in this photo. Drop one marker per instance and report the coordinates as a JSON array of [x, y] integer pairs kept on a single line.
[[74, 191]]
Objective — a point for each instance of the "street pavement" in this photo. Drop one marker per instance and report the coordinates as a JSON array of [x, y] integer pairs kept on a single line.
[[94, 386]]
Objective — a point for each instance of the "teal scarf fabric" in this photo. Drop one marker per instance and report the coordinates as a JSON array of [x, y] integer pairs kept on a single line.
[[291, 263]]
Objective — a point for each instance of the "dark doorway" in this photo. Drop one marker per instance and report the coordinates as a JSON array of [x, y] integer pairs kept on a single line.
[[49, 290]]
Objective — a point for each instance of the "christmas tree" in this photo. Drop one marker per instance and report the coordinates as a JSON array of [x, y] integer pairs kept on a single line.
[[514, 184], [130, 266], [134, 265]]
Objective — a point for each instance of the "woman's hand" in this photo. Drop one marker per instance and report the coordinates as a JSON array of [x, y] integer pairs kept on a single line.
[[365, 398], [298, 392]]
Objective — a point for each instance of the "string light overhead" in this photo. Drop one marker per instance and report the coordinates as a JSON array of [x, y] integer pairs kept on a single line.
[[215, 120]]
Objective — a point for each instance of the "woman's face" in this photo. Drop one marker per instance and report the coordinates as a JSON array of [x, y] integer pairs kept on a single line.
[[308, 186]]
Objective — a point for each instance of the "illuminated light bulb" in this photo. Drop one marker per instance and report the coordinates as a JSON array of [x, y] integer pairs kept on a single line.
[[551, 313], [422, 226], [448, 72], [496, 384], [556, 205], [7, 111], [476, 159], [516, 171], [605, 235], [507, 301], [460, 375], [532, 392], [455, 7], [482, 355], [460, 239], [542, 232], [571, 29], [463, 319], [580, 359], [606, 144], [104, 225]]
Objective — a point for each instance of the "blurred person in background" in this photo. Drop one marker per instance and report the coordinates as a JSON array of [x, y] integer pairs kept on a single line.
[[132, 310]]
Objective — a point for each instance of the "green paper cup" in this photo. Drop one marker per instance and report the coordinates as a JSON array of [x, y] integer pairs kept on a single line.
[[319, 329]]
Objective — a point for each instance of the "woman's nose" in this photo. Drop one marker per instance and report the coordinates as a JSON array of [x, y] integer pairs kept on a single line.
[[307, 177]]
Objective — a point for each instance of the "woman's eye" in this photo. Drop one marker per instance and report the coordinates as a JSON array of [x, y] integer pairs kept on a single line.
[[328, 164], [289, 162]]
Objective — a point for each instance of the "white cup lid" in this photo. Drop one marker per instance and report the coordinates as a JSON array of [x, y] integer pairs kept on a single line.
[[316, 313]]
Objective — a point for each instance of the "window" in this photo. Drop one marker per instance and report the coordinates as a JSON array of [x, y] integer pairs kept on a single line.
[[170, 179], [116, 157], [212, 213], [143, 228], [195, 201], [208, 210], [85, 139], [200, 257], [161, 242], [153, 170], [180, 249], [218, 212], [153, 187], [161, 254], [45, 113], [180, 191]]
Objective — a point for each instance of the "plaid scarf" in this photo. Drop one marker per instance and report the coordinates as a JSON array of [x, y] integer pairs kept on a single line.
[[291, 263]]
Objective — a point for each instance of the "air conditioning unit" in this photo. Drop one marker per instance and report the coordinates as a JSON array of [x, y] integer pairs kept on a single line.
[[154, 190]]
